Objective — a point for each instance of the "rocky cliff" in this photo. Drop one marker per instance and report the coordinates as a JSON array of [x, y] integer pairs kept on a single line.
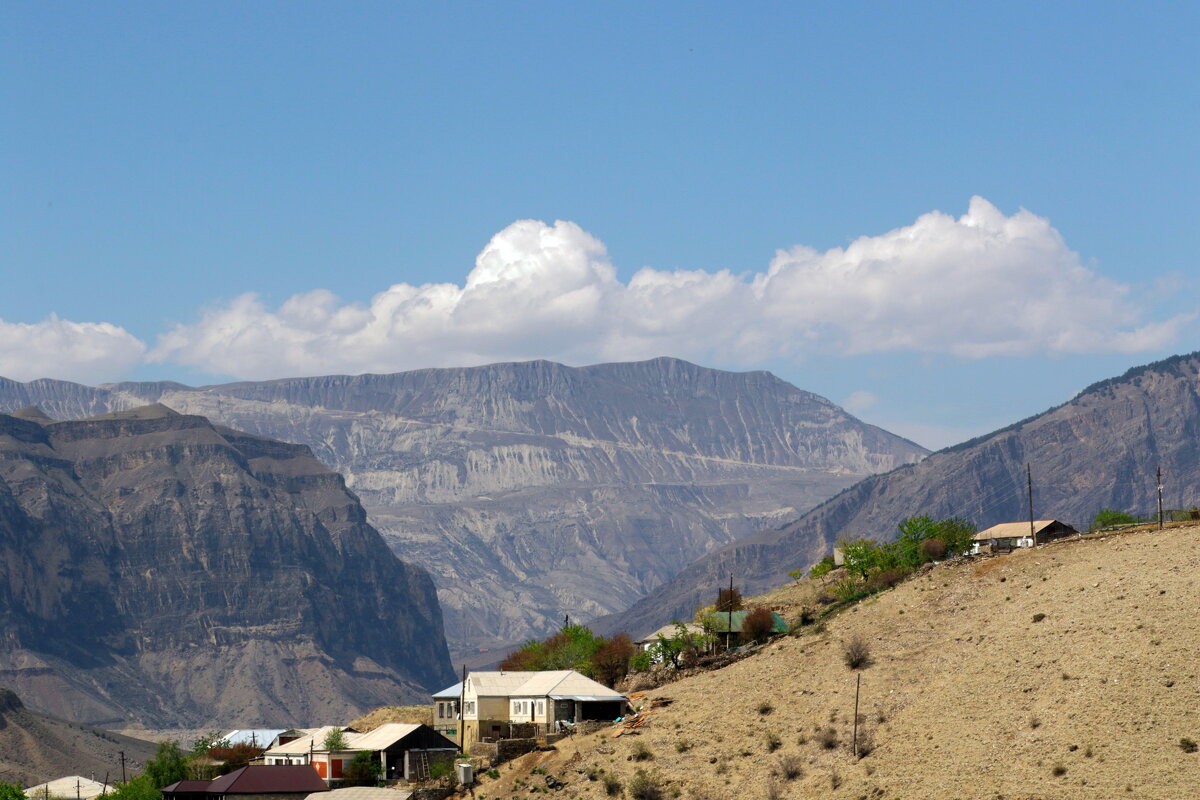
[[536, 490], [1100, 450], [161, 569]]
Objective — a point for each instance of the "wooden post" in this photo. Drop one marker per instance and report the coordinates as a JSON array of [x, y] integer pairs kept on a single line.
[[729, 600], [857, 684], [1029, 488], [462, 711], [122, 754], [1158, 474]]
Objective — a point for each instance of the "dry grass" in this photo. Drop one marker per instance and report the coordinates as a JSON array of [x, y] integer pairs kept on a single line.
[[414, 715], [955, 685]]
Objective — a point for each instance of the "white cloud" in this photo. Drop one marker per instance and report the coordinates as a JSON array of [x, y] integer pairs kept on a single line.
[[88, 352], [860, 401], [981, 285]]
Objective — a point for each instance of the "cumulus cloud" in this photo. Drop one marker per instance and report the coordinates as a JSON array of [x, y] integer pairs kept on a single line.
[[983, 284], [860, 401], [88, 352]]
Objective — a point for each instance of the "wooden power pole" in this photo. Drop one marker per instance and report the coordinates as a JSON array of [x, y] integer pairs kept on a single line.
[[1029, 490], [1158, 475]]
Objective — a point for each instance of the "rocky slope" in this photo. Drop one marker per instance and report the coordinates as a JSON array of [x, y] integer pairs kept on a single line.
[[36, 747], [161, 569], [1065, 672], [1099, 450], [536, 490]]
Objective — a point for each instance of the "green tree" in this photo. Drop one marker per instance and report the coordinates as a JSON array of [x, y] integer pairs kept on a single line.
[[335, 740], [363, 770], [673, 650], [140, 788], [11, 791], [861, 556], [1109, 517], [573, 647], [170, 764], [821, 568]]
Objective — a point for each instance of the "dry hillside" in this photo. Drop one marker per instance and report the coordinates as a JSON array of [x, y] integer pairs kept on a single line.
[[966, 695]]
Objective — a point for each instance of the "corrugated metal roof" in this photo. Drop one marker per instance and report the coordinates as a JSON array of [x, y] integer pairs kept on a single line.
[[315, 740], [496, 684], [363, 793], [670, 630], [1012, 530], [259, 737], [269, 779], [381, 738], [187, 787], [589, 698], [65, 787], [450, 692]]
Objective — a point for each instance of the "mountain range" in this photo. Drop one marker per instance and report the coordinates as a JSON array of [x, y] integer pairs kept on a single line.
[[1099, 450], [536, 490], [158, 569]]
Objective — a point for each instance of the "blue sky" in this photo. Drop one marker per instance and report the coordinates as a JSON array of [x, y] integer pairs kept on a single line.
[[162, 162]]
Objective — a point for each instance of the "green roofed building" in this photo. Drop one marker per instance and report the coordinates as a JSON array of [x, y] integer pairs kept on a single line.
[[728, 626]]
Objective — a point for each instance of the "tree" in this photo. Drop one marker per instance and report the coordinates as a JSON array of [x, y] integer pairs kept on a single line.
[[612, 659], [860, 555], [140, 788], [821, 568], [11, 791], [363, 770], [1108, 517], [674, 649], [729, 600], [170, 764], [335, 740], [758, 624]]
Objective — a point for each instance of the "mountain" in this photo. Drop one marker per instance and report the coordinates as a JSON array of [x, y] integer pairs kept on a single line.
[[535, 490], [36, 747], [163, 570], [1100, 450]]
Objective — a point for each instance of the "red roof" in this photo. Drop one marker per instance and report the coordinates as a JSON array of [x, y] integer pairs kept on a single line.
[[187, 787], [269, 779]]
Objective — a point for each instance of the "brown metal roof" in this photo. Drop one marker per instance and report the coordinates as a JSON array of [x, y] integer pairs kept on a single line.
[[269, 779], [187, 787]]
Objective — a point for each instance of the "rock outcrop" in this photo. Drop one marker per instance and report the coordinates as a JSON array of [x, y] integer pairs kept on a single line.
[[535, 490], [163, 570], [1100, 450]]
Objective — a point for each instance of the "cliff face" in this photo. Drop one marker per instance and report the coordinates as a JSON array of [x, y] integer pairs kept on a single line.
[[164, 570], [1100, 450], [536, 490]]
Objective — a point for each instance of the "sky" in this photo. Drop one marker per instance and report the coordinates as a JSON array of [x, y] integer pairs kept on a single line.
[[944, 216]]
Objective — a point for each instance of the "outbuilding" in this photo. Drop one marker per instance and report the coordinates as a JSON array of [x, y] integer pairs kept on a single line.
[[1009, 536]]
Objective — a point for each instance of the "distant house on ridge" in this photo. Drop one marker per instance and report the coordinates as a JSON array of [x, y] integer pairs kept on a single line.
[[1008, 536]]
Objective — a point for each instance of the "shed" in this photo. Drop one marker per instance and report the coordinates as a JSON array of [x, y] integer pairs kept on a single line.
[[728, 626], [1008, 536], [404, 751]]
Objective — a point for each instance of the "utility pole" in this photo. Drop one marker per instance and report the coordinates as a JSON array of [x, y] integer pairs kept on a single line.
[[462, 708], [1029, 489], [729, 602], [1158, 474], [857, 684], [123, 781]]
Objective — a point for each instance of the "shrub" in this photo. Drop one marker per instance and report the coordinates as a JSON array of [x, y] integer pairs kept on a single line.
[[773, 742], [1187, 745], [645, 786], [828, 737], [808, 616], [773, 789], [758, 624], [790, 767], [729, 600], [765, 708], [933, 549], [856, 652], [494, 774], [611, 659], [640, 662], [612, 786], [1108, 518], [826, 597], [886, 579], [1058, 770], [822, 567], [641, 752], [848, 590], [363, 770], [682, 746]]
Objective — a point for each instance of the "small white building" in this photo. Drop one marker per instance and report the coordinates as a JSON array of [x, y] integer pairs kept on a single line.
[[493, 702], [1008, 536]]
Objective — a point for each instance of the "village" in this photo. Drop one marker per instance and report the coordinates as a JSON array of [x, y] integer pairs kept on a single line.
[[491, 717]]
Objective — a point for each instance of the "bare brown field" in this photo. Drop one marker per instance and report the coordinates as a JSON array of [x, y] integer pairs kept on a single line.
[[969, 692]]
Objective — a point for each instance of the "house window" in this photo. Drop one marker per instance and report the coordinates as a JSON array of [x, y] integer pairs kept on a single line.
[[469, 708], [541, 708], [520, 708]]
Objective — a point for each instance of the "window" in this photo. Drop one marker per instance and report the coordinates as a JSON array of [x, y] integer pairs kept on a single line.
[[541, 708], [469, 708], [520, 708]]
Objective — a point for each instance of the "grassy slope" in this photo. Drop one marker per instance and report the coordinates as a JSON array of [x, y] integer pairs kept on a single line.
[[967, 697]]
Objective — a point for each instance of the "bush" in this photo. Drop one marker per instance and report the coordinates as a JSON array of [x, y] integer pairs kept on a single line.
[[11, 791], [1108, 518], [1058, 771], [641, 662], [729, 600], [773, 742], [363, 770], [848, 590], [1187, 745], [933, 549], [856, 652], [612, 786], [645, 786], [886, 579], [822, 567], [828, 737], [682, 746], [790, 767], [765, 708], [641, 752], [758, 624]]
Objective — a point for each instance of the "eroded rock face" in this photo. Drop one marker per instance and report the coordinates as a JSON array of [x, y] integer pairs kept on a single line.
[[536, 490], [161, 569], [1100, 450]]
